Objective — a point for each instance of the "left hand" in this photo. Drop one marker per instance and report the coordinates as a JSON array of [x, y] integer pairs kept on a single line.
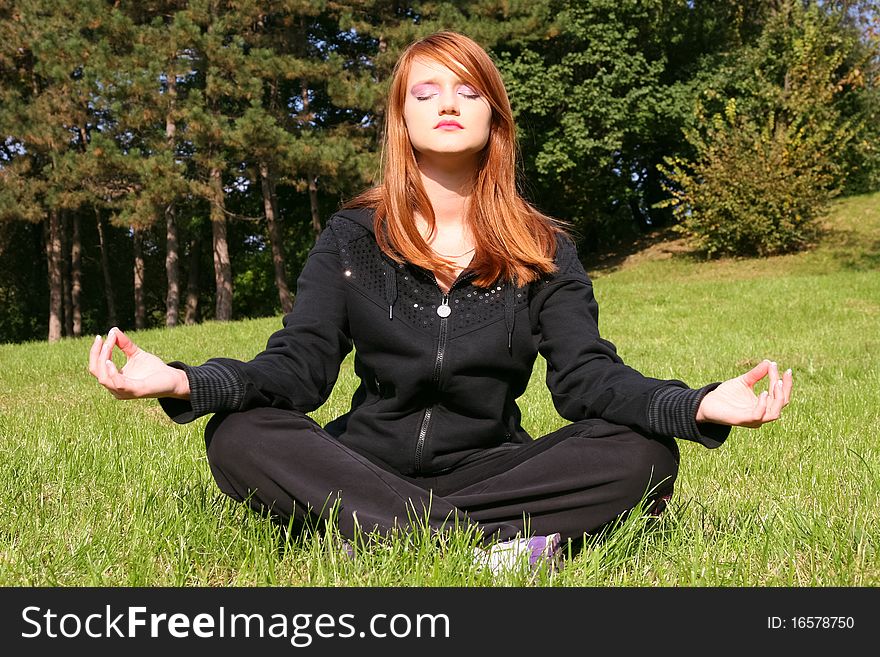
[[734, 402]]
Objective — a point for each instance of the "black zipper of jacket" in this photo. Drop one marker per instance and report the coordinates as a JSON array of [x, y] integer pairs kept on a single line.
[[435, 378]]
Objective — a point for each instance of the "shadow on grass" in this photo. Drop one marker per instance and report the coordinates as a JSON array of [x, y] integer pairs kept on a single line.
[[852, 250], [659, 244]]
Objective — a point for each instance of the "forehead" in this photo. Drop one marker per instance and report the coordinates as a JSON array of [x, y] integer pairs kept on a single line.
[[430, 70]]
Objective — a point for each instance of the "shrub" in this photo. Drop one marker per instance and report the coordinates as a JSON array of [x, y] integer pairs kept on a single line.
[[779, 139], [752, 190]]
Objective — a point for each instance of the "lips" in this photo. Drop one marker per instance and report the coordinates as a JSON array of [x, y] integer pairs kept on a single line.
[[449, 125]]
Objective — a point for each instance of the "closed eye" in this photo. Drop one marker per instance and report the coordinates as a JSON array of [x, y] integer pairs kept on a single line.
[[468, 92]]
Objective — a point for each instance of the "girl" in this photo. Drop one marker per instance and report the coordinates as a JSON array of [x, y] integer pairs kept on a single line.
[[448, 284]]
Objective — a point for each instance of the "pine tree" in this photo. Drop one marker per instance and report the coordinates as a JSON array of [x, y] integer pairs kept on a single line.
[[50, 115]]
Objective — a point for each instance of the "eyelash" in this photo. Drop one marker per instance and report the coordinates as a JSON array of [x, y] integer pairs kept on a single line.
[[468, 96]]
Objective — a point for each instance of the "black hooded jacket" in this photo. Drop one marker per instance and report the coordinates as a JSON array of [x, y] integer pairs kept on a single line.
[[439, 373]]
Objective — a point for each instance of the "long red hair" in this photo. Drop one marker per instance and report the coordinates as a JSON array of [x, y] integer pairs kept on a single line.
[[513, 240]]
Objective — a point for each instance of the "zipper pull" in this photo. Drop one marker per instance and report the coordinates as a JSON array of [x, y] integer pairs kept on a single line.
[[443, 309]]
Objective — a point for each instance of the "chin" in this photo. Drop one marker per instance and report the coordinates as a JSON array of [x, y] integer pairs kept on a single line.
[[451, 150]]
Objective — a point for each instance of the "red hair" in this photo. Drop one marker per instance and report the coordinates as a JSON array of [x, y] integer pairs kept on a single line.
[[513, 240]]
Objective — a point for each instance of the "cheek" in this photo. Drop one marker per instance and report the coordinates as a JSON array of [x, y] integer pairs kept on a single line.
[[486, 122], [482, 115], [413, 119], [414, 125]]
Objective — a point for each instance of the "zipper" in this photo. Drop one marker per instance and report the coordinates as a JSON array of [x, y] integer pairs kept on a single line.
[[443, 311]]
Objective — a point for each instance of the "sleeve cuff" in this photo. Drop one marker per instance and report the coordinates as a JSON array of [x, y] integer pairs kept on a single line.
[[212, 387], [673, 412]]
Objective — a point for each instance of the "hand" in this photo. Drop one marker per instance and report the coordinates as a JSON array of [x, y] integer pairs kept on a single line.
[[144, 375], [734, 402]]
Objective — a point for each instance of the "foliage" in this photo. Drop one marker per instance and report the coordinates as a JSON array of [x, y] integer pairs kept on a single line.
[[755, 190], [601, 96], [767, 163], [128, 111], [581, 98]]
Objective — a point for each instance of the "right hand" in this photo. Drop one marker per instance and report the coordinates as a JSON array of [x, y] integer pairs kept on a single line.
[[144, 375]]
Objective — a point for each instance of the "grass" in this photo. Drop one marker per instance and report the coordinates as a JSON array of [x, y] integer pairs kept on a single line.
[[99, 492]]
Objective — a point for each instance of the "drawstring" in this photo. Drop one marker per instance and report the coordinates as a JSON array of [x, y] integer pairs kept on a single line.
[[390, 287], [509, 316], [509, 300]]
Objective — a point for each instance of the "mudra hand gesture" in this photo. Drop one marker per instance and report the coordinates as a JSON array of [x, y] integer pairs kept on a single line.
[[144, 375], [734, 402]]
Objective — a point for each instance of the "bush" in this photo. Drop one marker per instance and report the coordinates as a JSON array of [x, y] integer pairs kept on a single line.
[[753, 190], [776, 133]]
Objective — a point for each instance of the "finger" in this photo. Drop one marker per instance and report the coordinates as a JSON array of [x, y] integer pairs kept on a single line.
[[116, 382], [128, 347], [774, 394], [107, 349], [774, 408], [760, 408], [93, 355], [773, 372], [787, 384], [100, 363], [757, 373]]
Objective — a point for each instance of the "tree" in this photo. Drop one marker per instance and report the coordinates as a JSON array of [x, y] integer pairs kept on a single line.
[[133, 131], [207, 34], [49, 114], [586, 98], [768, 161], [158, 71]]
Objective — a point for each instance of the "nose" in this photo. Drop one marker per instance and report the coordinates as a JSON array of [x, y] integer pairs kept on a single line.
[[448, 102]]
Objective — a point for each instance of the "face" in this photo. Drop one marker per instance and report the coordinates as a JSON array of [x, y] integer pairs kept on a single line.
[[444, 116]]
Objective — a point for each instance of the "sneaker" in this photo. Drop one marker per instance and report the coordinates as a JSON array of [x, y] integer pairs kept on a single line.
[[509, 555], [659, 505]]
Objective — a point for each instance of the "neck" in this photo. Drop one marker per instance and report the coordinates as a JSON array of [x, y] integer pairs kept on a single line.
[[448, 182]]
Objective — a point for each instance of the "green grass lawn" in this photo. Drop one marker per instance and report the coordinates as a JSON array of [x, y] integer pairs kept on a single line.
[[99, 492]]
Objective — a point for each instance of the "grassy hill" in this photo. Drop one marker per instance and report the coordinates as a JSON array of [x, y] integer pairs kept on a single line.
[[99, 492]]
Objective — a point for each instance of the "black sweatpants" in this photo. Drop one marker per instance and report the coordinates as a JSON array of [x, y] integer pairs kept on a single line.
[[572, 481]]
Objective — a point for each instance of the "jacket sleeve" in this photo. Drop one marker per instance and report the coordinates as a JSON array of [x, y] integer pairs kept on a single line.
[[300, 364], [586, 376]]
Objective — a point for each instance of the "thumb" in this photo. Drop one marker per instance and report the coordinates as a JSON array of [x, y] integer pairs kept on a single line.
[[757, 373], [128, 347]]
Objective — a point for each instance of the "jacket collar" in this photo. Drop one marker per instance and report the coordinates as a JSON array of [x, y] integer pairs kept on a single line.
[[364, 217]]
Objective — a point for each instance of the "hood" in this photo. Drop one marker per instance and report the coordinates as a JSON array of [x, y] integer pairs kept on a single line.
[[362, 216]]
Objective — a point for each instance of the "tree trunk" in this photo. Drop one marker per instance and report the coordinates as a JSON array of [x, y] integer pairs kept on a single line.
[[172, 266], [65, 275], [312, 177], [172, 269], [222, 265], [192, 284], [270, 205], [76, 276], [53, 259], [139, 309], [105, 269], [313, 204]]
